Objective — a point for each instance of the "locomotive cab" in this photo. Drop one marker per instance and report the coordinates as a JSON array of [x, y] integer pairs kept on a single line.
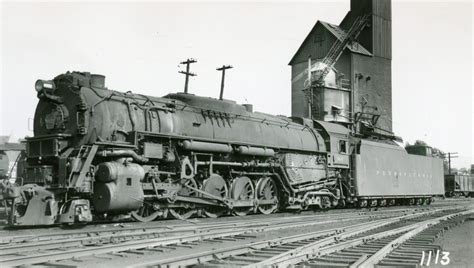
[[336, 138]]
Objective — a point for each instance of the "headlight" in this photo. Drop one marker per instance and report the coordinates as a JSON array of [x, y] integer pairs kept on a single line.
[[46, 85]]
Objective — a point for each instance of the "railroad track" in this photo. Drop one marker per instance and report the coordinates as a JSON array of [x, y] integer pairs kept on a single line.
[[24, 250], [372, 246], [138, 229], [304, 249], [396, 244], [438, 203], [239, 242]]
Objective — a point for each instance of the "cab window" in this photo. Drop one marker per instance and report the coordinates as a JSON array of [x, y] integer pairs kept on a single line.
[[343, 146]]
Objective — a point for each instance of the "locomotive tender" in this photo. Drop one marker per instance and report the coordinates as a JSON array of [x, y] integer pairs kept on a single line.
[[99, 153]]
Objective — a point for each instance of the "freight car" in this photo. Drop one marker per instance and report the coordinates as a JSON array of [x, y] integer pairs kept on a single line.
[[99, 153], [459, 185]]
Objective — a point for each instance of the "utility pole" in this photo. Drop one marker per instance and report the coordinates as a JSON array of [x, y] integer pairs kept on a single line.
[[222, 69], [451, 155], [187, 73], [310, 91]]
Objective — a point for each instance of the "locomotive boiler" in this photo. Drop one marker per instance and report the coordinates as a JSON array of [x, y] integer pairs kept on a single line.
[[101, 154]]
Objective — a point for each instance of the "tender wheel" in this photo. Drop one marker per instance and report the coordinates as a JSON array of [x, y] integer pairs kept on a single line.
[[185, 212], [267, 191], [242, 189], [373, 202], [216, 186], [362, 203], [419, 201], [146, 213]]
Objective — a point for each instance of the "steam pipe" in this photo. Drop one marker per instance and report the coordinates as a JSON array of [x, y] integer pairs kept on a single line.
[[206, 146], [124, 153]]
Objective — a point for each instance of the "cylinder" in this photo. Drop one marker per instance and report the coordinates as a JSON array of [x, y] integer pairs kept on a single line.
[[111, 197], [118, 187], [107, 171], [247, 150], [206, 147], [98, 80]]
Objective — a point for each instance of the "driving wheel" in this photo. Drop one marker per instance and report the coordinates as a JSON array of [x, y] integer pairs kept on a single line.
[[146, 213], [185, 212], [267, 191], [242, 190], [216, 186]]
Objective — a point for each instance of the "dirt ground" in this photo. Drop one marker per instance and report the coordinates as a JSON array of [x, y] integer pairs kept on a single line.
[[459, 242]]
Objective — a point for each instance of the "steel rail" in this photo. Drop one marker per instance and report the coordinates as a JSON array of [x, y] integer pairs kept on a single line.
[[311, 248], [10, 239], [383, 252], [169, 228], [116, 238], [203, 257], [319, 251], [156, 242], [163, 241], [112, 248], [176, 240], [141, 228], [332, 234]]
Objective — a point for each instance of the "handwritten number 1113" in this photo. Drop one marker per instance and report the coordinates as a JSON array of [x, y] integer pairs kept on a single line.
[[441, 257]]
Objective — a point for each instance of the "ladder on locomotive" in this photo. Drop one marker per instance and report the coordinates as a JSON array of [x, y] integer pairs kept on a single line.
[[82, 167], [331, 58]]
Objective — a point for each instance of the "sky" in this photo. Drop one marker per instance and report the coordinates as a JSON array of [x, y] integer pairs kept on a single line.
[[138, 46]]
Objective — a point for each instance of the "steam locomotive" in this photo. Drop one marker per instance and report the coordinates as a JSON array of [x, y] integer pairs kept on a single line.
[[102, 154]]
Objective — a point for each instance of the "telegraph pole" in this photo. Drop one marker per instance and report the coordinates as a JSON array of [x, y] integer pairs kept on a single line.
[[187, 73], [222, 69], [451, 155], [310, 91]]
